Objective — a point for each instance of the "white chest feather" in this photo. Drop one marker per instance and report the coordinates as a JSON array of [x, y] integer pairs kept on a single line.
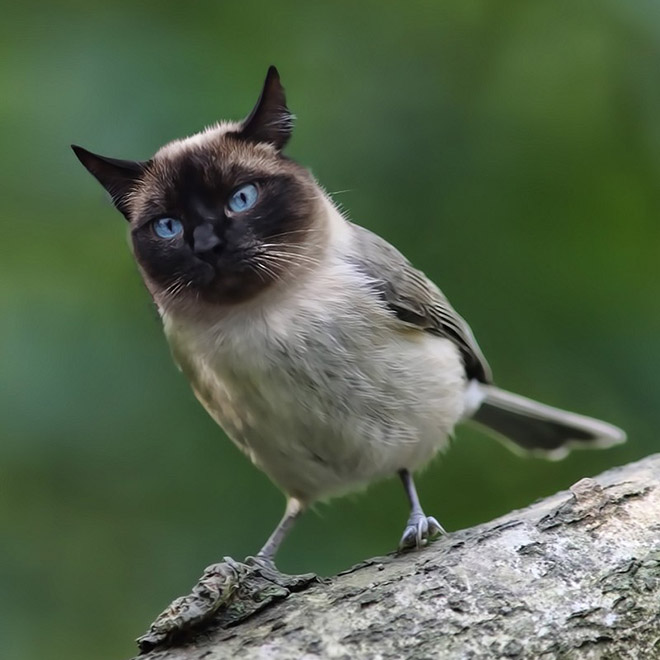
[[327, 392]]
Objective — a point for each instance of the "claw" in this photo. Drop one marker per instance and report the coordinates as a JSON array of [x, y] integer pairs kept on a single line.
[[419, 530], [435, 528]]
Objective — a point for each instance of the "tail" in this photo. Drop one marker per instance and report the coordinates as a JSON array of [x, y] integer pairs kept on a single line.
[[538, 428]]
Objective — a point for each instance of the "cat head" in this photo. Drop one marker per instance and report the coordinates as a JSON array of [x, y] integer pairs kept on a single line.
[[219, 216]]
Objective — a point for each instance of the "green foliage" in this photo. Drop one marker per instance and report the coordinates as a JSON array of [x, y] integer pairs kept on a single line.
[[509, 149]]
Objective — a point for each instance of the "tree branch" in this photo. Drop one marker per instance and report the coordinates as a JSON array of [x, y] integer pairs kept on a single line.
[[576, 575]]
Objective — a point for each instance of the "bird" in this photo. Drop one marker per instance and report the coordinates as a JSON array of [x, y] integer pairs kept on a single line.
[[325, 355]]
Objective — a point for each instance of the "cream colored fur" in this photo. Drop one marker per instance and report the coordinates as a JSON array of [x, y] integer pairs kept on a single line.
[[322, 398]]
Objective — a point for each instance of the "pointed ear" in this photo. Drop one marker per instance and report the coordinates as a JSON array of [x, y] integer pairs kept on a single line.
[[118, 177], [270, 120]]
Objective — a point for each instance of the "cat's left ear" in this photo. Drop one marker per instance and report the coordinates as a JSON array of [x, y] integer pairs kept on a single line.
[[270, 120], [118, 177]]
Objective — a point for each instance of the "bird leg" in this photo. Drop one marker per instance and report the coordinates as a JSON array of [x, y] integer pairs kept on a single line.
[[420, 527]]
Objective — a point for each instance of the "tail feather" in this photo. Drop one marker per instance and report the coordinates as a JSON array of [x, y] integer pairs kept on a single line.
[[541, 429]]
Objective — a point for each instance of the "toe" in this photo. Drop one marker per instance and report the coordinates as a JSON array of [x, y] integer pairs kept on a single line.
[[435, 528], [260, 561], [419, 531], [422, 533], [408, 540]]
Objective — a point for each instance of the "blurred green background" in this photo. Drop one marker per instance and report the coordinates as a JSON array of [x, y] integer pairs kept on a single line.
[[510, 149]]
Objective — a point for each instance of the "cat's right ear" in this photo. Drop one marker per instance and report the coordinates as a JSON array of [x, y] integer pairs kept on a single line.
[[270, 120], [118, 177]]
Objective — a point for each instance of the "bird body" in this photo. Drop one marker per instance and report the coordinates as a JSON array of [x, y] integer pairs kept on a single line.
[[321, 399]]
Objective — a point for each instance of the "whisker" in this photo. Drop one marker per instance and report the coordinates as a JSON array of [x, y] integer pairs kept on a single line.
[[265, 267], [288, 259], [254, 268], [293, 232], [289, 256], [283, 248]]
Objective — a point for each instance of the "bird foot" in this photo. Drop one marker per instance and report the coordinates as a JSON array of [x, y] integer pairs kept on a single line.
[[420, 529], [227, 592], [265, 567]]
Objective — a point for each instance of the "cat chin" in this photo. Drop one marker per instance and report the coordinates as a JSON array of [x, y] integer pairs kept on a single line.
[[205, 274], [217, 287]]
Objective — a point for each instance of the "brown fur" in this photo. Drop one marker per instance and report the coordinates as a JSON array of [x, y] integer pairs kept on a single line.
[[191, 181]]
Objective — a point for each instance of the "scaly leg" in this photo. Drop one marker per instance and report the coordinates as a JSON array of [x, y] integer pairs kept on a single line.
[[293, 510], [419, 528]]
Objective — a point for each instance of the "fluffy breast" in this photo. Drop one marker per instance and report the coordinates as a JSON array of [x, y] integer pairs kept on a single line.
[[325, 391]]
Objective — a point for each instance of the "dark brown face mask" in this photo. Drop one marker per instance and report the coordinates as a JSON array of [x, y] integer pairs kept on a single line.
[[219, 217]]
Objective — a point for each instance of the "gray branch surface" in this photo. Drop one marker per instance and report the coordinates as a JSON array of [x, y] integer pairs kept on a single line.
[[576, 575]]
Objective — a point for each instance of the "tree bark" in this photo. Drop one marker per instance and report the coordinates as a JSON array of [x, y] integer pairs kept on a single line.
[[576, 575]]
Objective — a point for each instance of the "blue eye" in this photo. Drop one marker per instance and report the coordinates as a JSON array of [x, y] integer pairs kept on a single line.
[[167, 227], [243, 198]]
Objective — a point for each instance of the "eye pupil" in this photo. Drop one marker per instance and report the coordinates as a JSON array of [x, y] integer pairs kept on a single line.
[[167, 227], [243, 198]]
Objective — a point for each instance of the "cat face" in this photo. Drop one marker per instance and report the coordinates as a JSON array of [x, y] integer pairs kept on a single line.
[[220, 216], [223, 219]]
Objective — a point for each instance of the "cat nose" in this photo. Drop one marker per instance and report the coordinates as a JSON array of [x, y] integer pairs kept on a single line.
[[205, 239]]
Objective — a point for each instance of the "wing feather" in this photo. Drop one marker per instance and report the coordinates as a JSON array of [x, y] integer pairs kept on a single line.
[[415, 300]]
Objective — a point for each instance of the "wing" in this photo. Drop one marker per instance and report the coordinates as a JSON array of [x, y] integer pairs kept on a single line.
[[416, 300]]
